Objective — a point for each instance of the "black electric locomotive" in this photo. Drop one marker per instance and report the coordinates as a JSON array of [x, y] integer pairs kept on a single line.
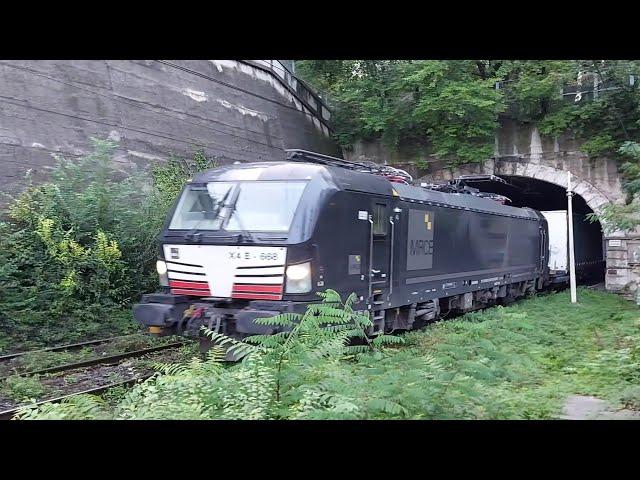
[[253, 240]]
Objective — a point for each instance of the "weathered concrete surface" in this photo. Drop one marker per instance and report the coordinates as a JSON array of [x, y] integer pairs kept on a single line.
[[152, 109], [580, 407], [521, 150]]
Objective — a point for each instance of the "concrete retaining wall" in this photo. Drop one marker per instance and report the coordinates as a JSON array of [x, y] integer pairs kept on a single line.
[[232, 110]]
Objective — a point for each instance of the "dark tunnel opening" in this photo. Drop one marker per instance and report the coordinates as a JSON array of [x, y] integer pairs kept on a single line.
[[546, 196]]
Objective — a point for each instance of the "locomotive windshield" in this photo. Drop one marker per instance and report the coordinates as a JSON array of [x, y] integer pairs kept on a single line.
[[238, 206]]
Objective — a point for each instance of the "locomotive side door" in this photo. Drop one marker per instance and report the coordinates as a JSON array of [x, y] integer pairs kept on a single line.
[[379, 245]]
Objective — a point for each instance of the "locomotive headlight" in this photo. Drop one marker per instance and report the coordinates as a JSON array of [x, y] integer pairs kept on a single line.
[[299, 278], [161, 267]]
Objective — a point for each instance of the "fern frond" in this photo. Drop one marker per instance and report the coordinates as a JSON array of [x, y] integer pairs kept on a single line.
[[325, 311], [268, 340], [351, 299], [387, 406], [353, 349], [381, 340], [329, 295], [286, 319], [356, 333], [216, 353], [170, 368], [243, 349], [338, 328]]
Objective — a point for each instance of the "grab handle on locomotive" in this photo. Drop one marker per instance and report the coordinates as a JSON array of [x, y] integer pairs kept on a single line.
[[393, 227], [370, 255]]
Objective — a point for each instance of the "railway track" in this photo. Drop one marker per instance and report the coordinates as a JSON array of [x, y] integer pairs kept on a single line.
[[105, 360], [113, 359], [61, 348], [9, 414]]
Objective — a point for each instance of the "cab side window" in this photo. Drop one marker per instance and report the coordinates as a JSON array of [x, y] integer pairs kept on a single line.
[[380, 220]]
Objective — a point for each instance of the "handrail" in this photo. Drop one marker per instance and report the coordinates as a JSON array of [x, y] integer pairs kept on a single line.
[[300, 89], [393, 230], [370, 273]]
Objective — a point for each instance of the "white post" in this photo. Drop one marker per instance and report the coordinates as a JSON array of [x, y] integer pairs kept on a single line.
[[572, 260]]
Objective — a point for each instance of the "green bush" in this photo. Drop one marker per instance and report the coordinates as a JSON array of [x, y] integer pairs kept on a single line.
[[630, 398], [80, 239], [77, 250]]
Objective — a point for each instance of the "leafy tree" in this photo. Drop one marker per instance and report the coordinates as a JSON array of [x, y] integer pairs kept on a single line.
[[448, 105], [455, 106], [531, 88], [625, 217], [452, 106]]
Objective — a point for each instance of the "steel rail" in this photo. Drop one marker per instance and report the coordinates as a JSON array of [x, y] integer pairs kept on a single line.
[[9, 414], [98, 360], [71, 346]]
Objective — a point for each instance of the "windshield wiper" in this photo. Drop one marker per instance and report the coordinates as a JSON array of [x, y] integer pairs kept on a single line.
[[194, 234], [244, 233]]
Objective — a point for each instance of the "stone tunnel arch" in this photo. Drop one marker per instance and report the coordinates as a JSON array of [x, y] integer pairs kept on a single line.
[[594, 197], [545, 190]]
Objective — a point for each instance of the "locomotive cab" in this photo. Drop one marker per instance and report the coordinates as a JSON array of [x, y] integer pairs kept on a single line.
[[254, 240]]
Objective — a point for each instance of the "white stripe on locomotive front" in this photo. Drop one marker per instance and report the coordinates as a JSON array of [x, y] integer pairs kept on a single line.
[[260, 271], [186, 276], [260, 280], [184, 268]]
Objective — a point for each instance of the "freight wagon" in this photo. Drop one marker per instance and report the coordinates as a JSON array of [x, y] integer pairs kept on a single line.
[[588, 247]]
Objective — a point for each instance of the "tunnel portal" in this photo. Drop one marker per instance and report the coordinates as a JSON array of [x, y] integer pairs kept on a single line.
[[544, 196]]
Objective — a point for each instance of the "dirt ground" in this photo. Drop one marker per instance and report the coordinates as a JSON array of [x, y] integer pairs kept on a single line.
[[580, 407]]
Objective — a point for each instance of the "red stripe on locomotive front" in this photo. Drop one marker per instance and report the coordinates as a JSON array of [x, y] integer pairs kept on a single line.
[[186, 284], [257, 288]]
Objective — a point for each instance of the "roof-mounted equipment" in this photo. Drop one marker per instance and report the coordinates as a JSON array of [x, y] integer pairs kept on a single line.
[[459, 185], [392, 174]]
